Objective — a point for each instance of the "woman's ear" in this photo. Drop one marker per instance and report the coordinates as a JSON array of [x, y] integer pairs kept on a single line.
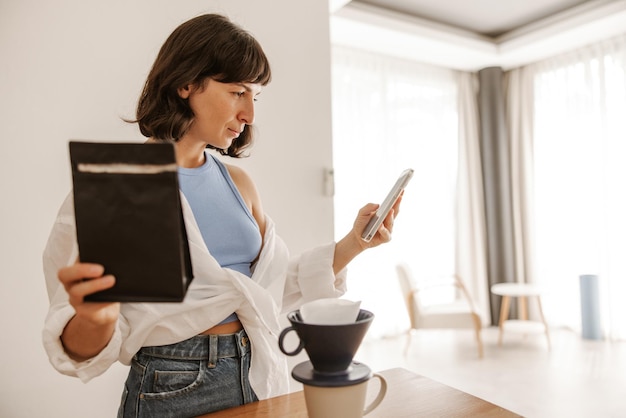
[[184, 91]]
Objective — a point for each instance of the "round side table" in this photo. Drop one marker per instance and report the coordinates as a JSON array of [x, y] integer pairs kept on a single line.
[[523, 291]]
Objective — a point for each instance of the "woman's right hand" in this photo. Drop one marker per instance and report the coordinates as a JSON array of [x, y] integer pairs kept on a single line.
[[91, 328], [82, 279]]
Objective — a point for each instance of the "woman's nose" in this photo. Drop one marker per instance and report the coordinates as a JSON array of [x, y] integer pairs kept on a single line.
[[246, 114]]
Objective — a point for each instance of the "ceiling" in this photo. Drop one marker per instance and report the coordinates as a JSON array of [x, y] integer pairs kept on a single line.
[[490, 18], [474, 34]]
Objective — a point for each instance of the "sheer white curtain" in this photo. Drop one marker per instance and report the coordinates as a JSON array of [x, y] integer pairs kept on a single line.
[[471, 244], [579, 149], [388, 115], [520, 105]]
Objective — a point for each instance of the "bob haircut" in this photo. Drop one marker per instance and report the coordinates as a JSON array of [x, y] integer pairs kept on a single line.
[[207, 46]]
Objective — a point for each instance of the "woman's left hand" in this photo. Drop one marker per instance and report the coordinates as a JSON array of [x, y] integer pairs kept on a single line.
[[352, 244], [384, 232]]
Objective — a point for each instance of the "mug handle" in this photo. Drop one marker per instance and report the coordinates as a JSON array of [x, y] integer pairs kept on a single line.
[[381, 394], [282, 337]]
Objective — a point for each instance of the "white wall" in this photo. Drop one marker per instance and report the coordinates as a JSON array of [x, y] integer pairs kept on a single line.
[[70, 69]]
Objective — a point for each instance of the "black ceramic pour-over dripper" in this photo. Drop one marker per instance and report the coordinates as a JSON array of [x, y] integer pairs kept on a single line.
[[330, 348]]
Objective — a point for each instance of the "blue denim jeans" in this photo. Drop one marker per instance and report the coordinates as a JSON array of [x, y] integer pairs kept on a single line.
[[203, 374]]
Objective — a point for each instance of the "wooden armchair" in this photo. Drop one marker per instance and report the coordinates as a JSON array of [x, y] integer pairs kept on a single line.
[[458, 314]]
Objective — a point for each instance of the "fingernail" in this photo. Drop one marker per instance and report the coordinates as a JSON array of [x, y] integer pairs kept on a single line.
[[95, 269]]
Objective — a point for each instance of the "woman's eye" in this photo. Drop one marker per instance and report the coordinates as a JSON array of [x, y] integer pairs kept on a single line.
[[240, 93]]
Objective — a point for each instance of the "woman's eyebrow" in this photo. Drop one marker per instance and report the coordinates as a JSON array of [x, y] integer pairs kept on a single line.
[[243, 86], [247, 88]]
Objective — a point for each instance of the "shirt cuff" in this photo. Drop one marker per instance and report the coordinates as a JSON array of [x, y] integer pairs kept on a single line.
[[84, 370], [316, 276]]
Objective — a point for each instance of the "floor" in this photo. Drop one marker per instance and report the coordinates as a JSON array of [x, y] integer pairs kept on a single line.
[[576, 378]]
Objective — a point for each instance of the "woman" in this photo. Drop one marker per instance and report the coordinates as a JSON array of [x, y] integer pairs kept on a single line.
[[218, 348]]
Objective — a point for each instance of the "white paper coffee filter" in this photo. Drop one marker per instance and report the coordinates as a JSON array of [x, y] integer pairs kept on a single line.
[[330, 311]]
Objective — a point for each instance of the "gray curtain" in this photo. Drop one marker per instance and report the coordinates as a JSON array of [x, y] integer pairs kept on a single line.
[[496, 163]]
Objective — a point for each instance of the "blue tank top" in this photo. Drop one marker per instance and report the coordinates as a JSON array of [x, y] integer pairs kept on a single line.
[[228, 228]]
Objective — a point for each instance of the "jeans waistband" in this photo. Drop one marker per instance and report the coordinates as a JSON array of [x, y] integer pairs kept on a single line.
[[203, 347]]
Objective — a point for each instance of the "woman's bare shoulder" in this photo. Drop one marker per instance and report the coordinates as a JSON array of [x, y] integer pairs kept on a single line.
[[248, 190]]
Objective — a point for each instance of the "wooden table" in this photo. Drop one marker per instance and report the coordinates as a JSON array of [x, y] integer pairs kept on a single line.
[[523, 325], [408, 395]]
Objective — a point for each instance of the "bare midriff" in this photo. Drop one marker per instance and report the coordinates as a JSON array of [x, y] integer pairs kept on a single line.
[[228, 328]]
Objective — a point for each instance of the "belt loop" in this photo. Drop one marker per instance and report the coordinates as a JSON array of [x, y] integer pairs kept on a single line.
[[242, 343], [212, 352]]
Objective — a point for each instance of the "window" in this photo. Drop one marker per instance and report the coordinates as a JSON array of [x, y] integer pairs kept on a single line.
[[388, 115], [580, 182]]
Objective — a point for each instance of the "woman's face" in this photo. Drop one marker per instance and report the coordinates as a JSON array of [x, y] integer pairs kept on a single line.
[[221, 111]]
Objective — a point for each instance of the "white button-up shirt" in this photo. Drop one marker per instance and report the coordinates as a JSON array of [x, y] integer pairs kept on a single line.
[[278, 284]]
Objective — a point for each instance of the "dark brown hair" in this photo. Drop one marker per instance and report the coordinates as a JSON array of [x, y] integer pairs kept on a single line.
[[206, 46]]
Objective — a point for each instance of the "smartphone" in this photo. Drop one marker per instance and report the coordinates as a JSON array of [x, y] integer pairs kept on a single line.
[[385, 207]]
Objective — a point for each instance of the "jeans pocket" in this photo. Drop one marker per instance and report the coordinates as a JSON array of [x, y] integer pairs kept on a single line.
[[168, 381], [166, 378]]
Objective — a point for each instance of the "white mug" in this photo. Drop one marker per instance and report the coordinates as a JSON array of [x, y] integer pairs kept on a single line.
[[342, 401]]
